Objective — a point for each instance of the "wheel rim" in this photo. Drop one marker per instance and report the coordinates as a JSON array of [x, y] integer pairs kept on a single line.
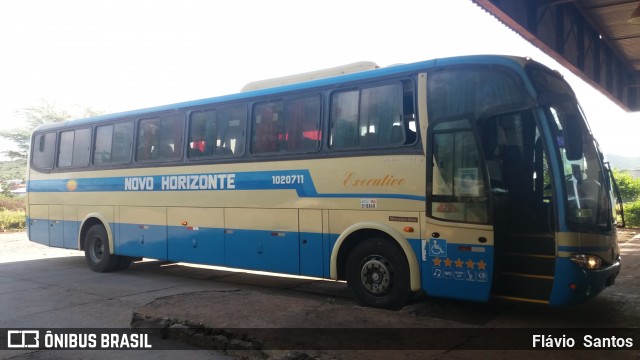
[[97, 249], [376, 275]]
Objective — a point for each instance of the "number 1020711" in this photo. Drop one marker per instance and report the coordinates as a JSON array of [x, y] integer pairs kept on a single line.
[[287, 179]]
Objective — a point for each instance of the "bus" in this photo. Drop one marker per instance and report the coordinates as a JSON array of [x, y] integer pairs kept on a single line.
[[473, 178]]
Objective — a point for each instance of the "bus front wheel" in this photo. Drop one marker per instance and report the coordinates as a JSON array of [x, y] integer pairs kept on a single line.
[[378, 274], [96, 251]]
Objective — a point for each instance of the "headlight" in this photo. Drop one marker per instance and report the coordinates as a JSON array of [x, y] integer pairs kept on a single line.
[[586, 261]]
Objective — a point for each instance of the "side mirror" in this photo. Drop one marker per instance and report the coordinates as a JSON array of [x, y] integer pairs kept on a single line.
[[573, 137]]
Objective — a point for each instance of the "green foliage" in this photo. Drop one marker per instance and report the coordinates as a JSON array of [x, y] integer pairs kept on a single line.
[[12, 209], [12, 220], [10, 170], [629, 187], [632, 213], [20, 137], [630, 193], [12, 213]]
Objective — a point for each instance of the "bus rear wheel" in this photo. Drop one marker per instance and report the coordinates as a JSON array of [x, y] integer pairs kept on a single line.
[[97, 253], [378, 274]]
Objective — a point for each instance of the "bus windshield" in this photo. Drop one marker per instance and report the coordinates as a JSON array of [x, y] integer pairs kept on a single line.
[[584, 178], [587, 199]]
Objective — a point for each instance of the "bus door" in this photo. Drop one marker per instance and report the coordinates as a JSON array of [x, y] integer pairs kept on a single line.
[[523, 216], [457, 247]]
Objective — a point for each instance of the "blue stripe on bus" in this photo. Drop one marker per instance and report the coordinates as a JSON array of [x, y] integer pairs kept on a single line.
[[298, 180], [299, 253]]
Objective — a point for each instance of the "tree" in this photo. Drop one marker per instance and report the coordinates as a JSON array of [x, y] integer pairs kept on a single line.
[[36, 115], [20, 137], [630, 194], [629, 187]]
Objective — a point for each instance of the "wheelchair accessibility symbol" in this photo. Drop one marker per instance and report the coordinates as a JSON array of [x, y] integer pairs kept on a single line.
[[437, 247]]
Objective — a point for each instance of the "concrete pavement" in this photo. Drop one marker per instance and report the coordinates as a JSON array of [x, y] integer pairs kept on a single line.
[[45, 287]]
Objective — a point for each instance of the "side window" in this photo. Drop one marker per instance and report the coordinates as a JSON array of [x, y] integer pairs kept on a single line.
[[74, 149], [458, 189], [44, 146], [82, 148], [159, 139], [302, 125], [217, 133], [381, 116], [65, 152], [344, 120], [113, 144], [268, 121], [287, 126]]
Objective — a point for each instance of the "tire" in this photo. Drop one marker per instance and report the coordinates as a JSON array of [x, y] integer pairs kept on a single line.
[[378, 274], [96, 250]]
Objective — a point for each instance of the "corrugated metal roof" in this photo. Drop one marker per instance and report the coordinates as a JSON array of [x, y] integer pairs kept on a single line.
[[592, 38], [610, 17]]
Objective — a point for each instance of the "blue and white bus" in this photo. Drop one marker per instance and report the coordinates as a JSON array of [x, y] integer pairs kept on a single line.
[[471, 178]]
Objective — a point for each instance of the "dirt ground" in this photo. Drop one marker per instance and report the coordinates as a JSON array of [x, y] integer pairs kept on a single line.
[[626, 234]]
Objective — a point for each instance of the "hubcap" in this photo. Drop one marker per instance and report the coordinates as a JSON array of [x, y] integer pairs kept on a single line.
[[376, 275], [97, 249]]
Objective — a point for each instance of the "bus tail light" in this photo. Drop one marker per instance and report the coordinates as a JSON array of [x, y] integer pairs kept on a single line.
[[586, 261]]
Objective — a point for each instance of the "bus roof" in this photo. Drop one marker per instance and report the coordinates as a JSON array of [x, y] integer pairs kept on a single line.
[[309, 76], [511, 61]]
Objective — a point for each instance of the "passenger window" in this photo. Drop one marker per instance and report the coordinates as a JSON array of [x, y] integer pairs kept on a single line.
[[344, 117], [381, 116], [65, 149], [302, 125], [217, 133], [159, 139], [74, 148], [81, 148], [44, 150], [289, 126], [113, 143], [268, 123]]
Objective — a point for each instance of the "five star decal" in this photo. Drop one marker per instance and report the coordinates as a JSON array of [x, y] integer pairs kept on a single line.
[[470, 264], [460, 269]]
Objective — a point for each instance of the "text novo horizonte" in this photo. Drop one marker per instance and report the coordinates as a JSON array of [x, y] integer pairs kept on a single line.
[[181, 182]]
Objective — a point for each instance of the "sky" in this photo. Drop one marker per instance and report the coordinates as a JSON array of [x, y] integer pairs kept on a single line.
[[119, 55]]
